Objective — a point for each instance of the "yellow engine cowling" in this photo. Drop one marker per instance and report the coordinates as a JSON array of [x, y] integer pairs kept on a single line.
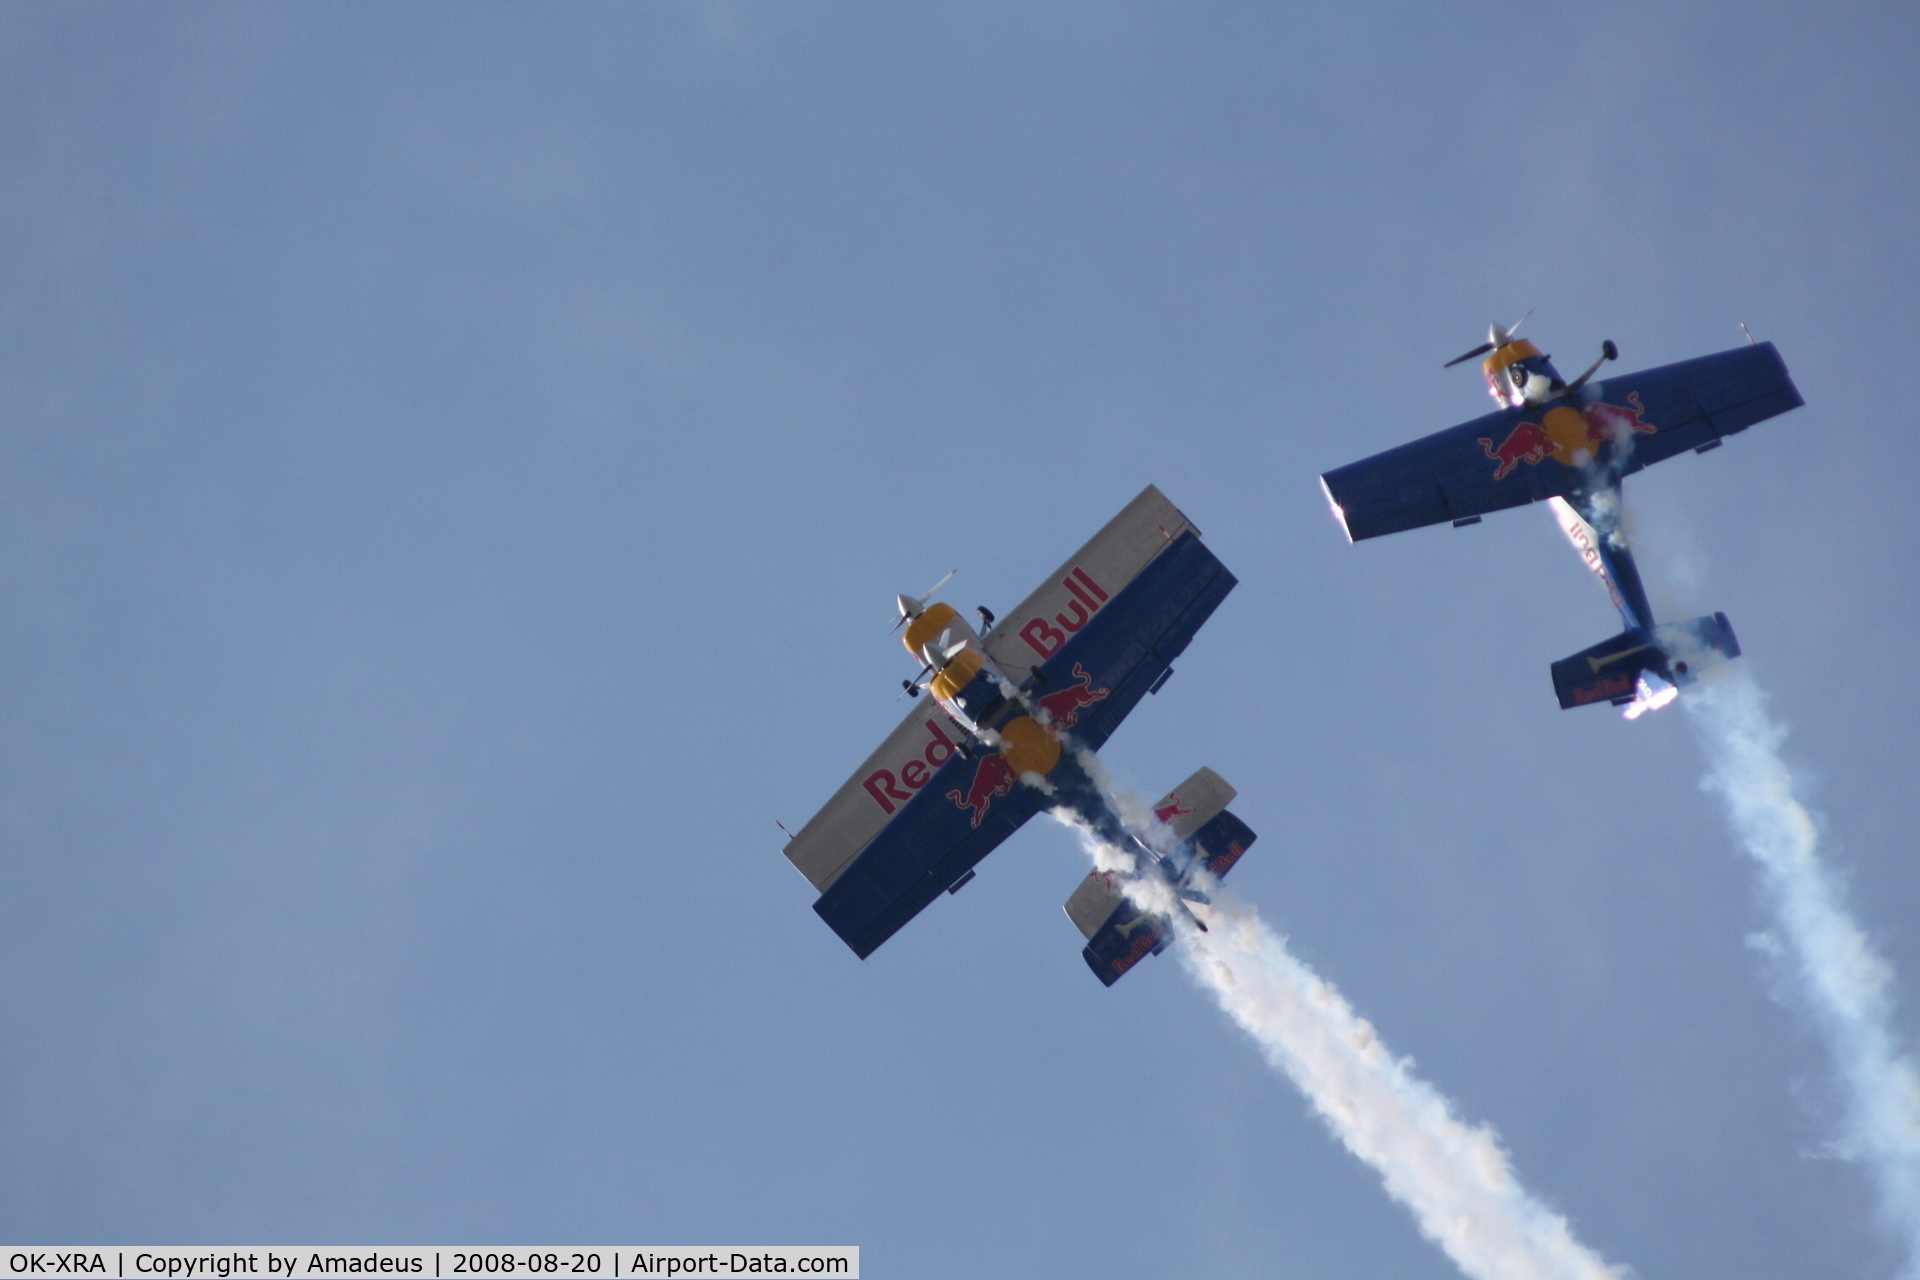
[[1502, 359], [958, 674], [1028, 747], [929, 624]]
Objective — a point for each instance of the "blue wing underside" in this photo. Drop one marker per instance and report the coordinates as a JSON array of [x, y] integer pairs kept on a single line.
[[1448, 476], [931, 844]]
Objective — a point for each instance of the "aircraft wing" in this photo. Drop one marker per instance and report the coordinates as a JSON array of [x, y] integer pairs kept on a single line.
[[1504, 459], [896, 834], [1039, 625], [1126, 650], [929, 846]]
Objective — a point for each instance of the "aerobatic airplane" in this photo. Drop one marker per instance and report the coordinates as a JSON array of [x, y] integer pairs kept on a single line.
[[1009, 732], [1572, 443]]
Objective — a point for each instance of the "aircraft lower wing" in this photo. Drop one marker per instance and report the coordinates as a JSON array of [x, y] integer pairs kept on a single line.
[[1517, 456], [933, 834]]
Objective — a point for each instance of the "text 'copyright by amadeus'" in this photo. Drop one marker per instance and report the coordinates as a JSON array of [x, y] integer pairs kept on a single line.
[[285, 1262]]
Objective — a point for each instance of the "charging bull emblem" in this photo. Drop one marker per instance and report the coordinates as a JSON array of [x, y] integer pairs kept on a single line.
[[1527, 443], [1063, 708], [992, 777], [1567, 435]]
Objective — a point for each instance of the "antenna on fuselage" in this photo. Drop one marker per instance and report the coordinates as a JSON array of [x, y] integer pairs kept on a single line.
[[1607, 352]]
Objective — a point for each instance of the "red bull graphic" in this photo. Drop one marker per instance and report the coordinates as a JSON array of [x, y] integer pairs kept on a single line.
[[1615, 686], [1527, 443], [890, 789], [1141, 946], [1584, 538], [1045, 638], [1063, 708], [1567, 435], [1620, 422], [994, 776], [1221, 863], [1171, 809]]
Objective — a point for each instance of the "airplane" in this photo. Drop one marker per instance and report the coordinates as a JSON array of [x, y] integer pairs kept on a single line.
[[1572, 444], [1010, 730]]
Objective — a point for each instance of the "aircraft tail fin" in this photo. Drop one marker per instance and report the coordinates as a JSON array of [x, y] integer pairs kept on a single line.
[[1120, 933], [1643, 670]]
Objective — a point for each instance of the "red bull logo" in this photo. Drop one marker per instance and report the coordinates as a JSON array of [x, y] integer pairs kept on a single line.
[[1528, 443], [1171, 809], [1139, 949], [1567, 435], [1222, 863], [1045, 638], [993, 776], [892, 788], [1063, 708], [1614, 686], [1620, 422]]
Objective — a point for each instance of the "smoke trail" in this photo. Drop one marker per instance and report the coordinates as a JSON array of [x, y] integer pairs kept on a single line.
[[1452, 1175], [1844, 980]]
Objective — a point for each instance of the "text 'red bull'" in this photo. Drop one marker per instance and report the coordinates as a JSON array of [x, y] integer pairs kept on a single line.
[[1045, 638], [884, 785]]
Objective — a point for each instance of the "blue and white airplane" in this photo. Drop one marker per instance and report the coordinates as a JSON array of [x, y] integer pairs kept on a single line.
[[1009, 732], [1572, 444]]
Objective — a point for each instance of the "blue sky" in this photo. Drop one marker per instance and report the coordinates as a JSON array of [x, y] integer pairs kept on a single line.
[[455, 467]]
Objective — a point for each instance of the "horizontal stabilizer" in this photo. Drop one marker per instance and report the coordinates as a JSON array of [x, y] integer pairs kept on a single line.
[[1185, 809], [1631, 668], [1120, 933]]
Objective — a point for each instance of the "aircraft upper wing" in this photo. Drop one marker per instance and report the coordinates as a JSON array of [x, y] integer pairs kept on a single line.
[[1127, 650], [928, 846], [1505, 459], [894, 836], [1041, 623]]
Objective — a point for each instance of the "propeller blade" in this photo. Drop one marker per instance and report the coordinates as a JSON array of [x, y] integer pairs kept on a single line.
[[1496, 337], [936, 586], [909, 606], [1480, 350]]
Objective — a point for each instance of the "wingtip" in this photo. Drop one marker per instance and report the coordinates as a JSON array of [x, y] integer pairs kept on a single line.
[[1339, 512]]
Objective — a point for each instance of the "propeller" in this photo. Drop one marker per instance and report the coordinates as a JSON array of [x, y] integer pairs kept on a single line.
[[1607, 352], [911, 607], [1497, 337], [911, 688]]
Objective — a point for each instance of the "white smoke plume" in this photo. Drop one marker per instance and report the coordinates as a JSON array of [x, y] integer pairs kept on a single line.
[[1845, 983], [1452, 1175]]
